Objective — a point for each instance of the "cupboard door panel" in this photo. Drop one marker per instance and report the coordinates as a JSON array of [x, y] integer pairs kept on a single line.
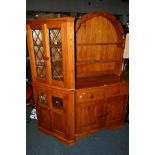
[[85, 117], [116, 110], [101, 113], [57, 105], [44, 118], [54, 43], [62, 113], [88, 114], [41, 98], [58, 122]]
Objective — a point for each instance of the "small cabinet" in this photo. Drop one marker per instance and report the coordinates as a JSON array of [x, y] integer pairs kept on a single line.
[[47, 52], [58, 111], [51, 50], [55, 112], [62, 114], [105, 110]]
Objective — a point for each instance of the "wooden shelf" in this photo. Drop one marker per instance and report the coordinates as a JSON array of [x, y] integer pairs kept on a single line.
[[95, 61], [88, 44], [96, 81]]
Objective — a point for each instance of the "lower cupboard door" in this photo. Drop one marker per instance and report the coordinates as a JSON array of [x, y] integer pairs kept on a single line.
[[44, 119], [58, 123], [116, 111], [87, 117]]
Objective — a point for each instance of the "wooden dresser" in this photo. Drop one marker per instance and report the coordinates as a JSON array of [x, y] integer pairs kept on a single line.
[[76, 74]]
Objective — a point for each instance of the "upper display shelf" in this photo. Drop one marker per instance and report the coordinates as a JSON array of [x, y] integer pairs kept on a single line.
[[100, 43]]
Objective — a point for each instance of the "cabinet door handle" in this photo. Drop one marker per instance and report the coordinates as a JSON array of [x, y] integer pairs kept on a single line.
[[80, 96], [91, 96]]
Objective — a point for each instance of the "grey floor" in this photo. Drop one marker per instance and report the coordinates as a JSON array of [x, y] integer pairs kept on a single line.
[[103, 142]]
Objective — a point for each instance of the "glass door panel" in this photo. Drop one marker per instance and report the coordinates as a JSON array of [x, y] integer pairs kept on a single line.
[[38, 47], [56, 54]]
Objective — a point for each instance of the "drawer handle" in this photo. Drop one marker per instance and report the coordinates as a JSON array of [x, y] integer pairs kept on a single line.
[[91, 96]]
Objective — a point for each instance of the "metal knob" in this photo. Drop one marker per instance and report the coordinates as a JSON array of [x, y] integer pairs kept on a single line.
[[80, 96]]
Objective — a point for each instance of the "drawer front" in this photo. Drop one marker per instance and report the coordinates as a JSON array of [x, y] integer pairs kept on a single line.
[[116, 90], [89, 95]]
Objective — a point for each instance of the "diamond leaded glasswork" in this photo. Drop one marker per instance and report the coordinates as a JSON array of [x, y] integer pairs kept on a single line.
[[42, 98], [39, 53], [56, 53]]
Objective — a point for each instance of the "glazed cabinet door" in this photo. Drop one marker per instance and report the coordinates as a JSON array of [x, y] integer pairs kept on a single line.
[[51, 48], [43, 111], [60, 46], [62, 114], [37, 52], [57, 104], [55, 47]]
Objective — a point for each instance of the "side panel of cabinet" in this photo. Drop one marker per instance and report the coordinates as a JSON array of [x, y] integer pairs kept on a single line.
[[69, 56]]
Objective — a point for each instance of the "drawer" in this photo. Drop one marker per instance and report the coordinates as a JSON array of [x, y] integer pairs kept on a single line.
[[116, 90], [89, 95]]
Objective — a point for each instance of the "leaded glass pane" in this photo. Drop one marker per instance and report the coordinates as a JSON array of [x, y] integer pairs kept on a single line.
[[56, 53], [39, 53], [42, 98], [57, 102]]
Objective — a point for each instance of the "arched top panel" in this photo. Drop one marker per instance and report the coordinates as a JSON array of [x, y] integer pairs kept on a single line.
[[99, 27]]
